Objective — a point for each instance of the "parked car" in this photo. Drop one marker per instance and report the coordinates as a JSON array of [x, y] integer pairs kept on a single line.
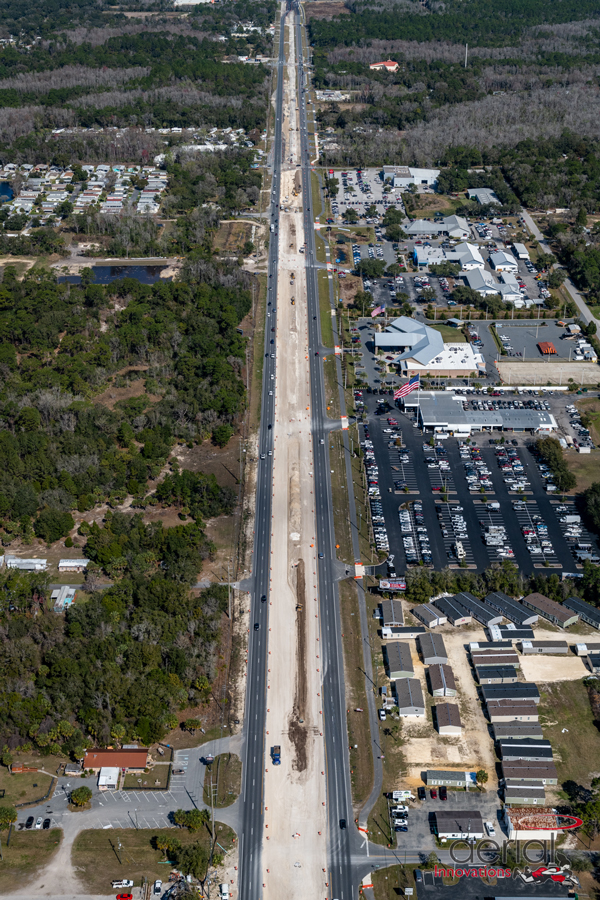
[[443, 792], [29, 822], [123, 883], [421, 793], [157, 886], [433, 793], [39, 822], [46, 824], [490, 829]]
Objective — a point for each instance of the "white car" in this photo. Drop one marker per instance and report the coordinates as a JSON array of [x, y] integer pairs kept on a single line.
[[382, 715], [490, 829], [123, 883], [158, 886]]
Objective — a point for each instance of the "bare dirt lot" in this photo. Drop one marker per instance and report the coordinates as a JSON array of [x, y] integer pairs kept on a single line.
[[349, 286], [548, 669], [326, 9], [512, 372]]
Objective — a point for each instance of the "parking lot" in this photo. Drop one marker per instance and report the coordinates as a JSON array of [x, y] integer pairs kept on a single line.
[[522, 340], [462, 504]]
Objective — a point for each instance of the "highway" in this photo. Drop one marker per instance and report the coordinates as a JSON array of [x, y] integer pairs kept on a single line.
[[251, 836], [339, 802]]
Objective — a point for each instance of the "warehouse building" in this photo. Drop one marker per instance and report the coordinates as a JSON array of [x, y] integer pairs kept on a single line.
[[398, 660], [503, 262], [509, 712], [443, 412], [549, 609], [433, 649], [521, 690], [520, 251], [484, 196], [528, 770], [429, 615], [391, 612], [557, 648], [496, 675], [441, 681], [437, 777], [458, 824], [511, 633], [409, 697], [531, 749], [511, 609], [517, 730], [454, 611], [586, 612], [403, 176], [478, 610], [531, 824], [526, 793], [448, 719], [450, 226]]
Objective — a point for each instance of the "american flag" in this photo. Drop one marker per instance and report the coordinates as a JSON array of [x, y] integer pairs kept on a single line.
[[405, 389], [377, 310]]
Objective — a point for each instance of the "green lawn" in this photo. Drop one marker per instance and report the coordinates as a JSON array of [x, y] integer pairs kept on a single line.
[[565, 705], [23, 788], [325, 308], [224, 780], [26, 854], [450, 335]]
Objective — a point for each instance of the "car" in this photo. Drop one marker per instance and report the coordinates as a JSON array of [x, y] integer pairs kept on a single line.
[[29, 822], [124, 896], [490, 829], [342, 824], [122, 883], [39, 822], [418, 876], [320, 556], [433, 794], [46, 824], [263, 455], [256, 626], [382, 715], [443, 792], [421, 793], [157, 886]]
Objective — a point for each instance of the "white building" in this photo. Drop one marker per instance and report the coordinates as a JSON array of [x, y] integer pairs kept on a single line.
[[530, 823], [72, 565], [503, 262], [520, 251], [481, 281], [484, 196], [403, 176], [26, 565], [417, 348], [108, 778], [451, 226]]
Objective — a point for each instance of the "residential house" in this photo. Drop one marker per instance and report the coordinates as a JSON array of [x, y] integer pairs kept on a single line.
[[586, 612], [441, 681], [409, 697], [433, 649], [448, 719], [398, 660]]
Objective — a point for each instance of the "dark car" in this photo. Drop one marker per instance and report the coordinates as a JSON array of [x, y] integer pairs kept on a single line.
[[46, 824], [342, 823], [256, 626], [263, 599], [418, 876], [320, 556], [421, 793], [443, 792], [29, 822]]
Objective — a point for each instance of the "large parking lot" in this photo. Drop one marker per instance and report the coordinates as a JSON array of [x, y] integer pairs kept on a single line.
[[466, 503], [522, 340]]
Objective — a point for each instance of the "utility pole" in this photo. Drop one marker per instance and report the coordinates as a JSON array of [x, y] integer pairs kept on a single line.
[[466, 54]]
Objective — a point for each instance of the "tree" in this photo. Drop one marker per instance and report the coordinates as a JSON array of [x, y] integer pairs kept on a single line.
[[395, 233], [193, 860], [582, 217], [544, 261], [81, 796], [372, 268], [432, 861], [372, 210], [53, 524], [8, 815], [192, 725], [556, 278], [221, 435], [481, 777], [351, 216], [580, 863]]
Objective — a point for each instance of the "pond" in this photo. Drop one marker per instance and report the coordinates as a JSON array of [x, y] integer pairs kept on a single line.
[[108, 274], [6, 191]]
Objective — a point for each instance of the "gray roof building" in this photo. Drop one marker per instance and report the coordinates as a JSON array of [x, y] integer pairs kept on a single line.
[[402, 631], [512, 633], [478, 610], [549, 609], [510, 609], [398, 660], [530, 648], [441, 681], [391, 612], [587, 613], [444, 410], [434, 777], [429, 615], [455, 612], [527, 792], [448, 718], [536, 749], [484, 196], [433, 649], [496, 675], [521, 690], [528, 770], [517, 730], [512, 711], [458, 824], [409, 697]]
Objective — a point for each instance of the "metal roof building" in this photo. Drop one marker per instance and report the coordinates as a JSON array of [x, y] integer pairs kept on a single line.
[[511, 633], [444, 411], [441, 681], [529, 770], [478, 610], [457, 824], [496, 675], [398, 660], [409, 697], [517, 730], [401, 631], [448, 718], [532, 648], [433, 649], [434, 777], [486, 659], [455, 612], [549, 609], [536, 749], [511, 609], [391, 612], [587, 613], [429, 615], [521, 690], [530, 793], [509, 712]]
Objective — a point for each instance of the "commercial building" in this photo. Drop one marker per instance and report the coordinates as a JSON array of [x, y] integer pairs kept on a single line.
[[528, 770], [496, 675], [549, 609], [450, 226], [417, 348], [403, 176], [391, 612], [429, 615], [453, 610], [398, 660], [517, 730], [393, 632], [530, 648], [484, 196], [448, 719], [503, 262], [530, 824], [433, 649], [511, 633], [511, 609], [478, 610], [510, 712], [441, 681], [134, 759], [527, 793], [457, 824], [485, 284], [108, 778], [444, 412], [520, 251], [409, 697], [586, 612], [521, 690], [436, 777], [531, 749], [388, 65], [465, 254]]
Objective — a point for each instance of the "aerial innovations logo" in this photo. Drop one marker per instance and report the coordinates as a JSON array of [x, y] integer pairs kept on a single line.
[[532, 861]]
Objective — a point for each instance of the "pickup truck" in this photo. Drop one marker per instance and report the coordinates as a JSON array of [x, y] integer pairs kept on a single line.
[[276, 755]]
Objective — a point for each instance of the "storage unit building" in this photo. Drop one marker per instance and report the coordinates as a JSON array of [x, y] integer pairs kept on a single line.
[[391, 612], [448, 718], [528, 770], [456, 824], [436, 777], [455, 612], [398, 660], [509, 712], [586, 612], [496, 675], [393, 632], [531, 648], [521, 690], [433, 649], [536, 749], [478, 609], [549, 609], [510, 609], [485, 659], [409, 697], [511, 633], [517, 730], [429, 615], [441, 681], [529, 793]]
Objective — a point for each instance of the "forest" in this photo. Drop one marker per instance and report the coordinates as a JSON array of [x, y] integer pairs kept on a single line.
[[62, 346]]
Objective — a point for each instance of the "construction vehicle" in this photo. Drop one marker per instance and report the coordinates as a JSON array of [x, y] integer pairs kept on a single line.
[[276, 755], [293, 301]]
